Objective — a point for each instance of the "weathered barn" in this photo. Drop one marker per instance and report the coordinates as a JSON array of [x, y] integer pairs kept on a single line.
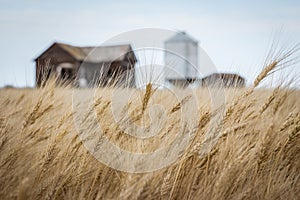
[[86, 66], [223, 80]]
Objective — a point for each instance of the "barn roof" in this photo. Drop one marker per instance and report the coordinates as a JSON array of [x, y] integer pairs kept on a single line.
[[181, 37], [224, 75], [95, 54]]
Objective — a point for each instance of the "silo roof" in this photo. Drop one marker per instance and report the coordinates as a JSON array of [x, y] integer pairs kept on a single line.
[[181, 37]]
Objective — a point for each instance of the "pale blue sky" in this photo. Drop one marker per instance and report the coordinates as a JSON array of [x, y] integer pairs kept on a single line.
[[235, 34]]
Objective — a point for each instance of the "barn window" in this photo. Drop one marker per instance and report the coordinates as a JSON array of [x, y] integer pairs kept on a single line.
[[65, 71]]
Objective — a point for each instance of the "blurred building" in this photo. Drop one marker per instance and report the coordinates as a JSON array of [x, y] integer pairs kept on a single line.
[[223, 80], [86, 66], [181, 60], [182, 65]]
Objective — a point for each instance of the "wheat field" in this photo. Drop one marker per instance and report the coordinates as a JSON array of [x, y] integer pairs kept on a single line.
[[252, 151]]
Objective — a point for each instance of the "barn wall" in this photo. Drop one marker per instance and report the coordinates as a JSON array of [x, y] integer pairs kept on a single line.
[[90, 74], [105, 74], [125, 74], [46, 64]]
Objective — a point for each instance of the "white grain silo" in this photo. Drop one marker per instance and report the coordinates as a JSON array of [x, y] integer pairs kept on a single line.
[[181, 59]]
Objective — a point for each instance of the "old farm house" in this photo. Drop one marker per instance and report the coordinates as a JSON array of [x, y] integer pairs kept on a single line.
[[86, 66]]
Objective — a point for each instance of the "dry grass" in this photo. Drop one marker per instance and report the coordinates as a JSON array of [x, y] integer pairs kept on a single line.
[[255, 153]]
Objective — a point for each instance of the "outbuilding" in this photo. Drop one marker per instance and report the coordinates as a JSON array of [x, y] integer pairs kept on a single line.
[[86, 66]]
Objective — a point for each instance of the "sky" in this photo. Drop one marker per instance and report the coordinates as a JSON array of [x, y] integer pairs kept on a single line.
[[236, 35]]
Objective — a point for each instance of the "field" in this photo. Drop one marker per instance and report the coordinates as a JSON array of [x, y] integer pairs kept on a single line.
[[241, 143]]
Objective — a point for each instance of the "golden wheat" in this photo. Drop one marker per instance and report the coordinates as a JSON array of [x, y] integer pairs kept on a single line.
[[251, 153]]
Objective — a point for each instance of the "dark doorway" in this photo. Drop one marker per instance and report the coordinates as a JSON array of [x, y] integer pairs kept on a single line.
[[67, 74]]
